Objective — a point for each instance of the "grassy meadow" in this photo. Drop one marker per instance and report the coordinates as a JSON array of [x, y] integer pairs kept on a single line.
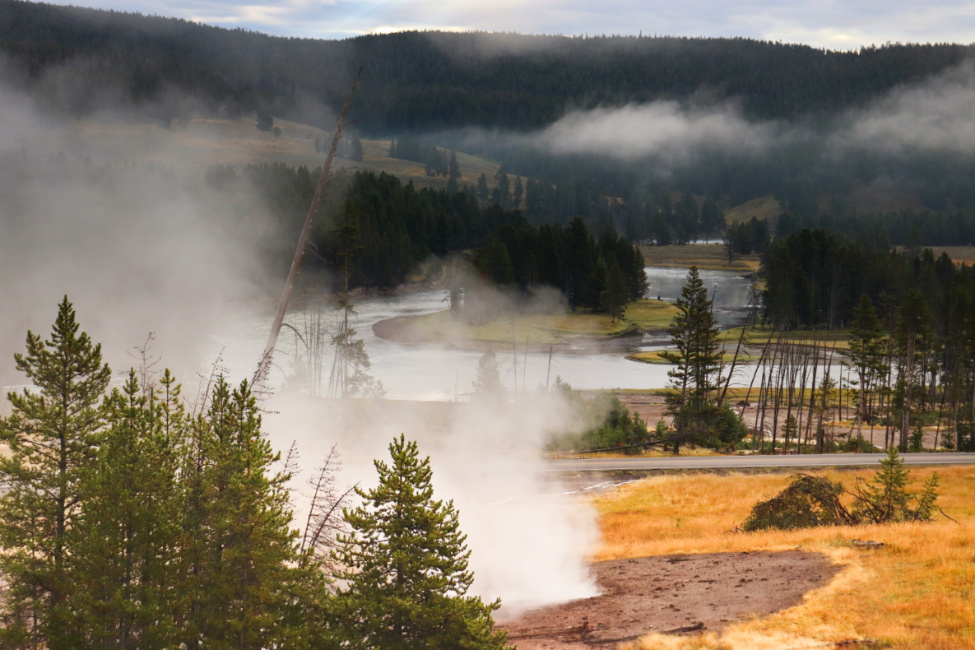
[[918, 591], [533, 329], [212, 141], [703, 256]]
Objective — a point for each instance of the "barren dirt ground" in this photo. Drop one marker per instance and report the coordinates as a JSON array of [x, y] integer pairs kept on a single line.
[[676, 594]]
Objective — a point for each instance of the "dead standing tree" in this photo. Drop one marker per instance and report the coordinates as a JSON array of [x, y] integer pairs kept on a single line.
[[264, 364]]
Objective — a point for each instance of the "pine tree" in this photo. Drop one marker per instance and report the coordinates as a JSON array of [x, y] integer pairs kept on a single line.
[[242, 550], [52, 434], [616, 295], [517, 192], [914, 339], [694, 332], [356, 147], [407, 577], [483, 193], [487, 376], [453, 166], [126, 548], [885, 499], [866, 353], [502, 191]]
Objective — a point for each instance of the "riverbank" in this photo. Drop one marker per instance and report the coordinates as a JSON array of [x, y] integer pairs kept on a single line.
[[534, 331]]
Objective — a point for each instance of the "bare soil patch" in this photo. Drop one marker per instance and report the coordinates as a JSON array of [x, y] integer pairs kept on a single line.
[[675, 594]]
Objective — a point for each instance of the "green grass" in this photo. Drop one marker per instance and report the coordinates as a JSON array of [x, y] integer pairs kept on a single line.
[[532, 329], [654, 357], [757, 337]]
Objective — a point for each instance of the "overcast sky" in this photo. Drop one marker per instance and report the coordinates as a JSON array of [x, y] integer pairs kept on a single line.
[[832, 24]]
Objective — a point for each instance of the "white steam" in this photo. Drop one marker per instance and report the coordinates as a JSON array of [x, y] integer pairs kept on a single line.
[[141, 249], [529, 540], [135, 248]]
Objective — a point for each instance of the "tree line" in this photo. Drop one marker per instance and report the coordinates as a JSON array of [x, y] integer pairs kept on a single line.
[[431, 80], [394, 227], [908, 228], [910, 316], [134, 518]]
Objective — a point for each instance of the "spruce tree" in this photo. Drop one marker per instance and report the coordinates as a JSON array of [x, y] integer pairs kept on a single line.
[[407, 577], [52, 434]]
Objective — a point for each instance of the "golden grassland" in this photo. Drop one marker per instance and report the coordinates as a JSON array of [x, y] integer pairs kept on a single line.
[[703, 256], [534, 329], [958, 254], [762, 208], [918, 591]]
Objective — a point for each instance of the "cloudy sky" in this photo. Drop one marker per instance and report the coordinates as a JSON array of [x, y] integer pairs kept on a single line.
[[833, 24]]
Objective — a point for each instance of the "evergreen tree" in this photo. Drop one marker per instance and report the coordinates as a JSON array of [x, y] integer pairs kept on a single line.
[[356, 147], [615, 296], [126, 564], [454, 166], [482, 188], [407, 578], [502, 191], [866, 354], [694, 333], [913, 339], [711, 219], [494, 261], [52, 434], [241, 547], [578, 258], [885, 499], [487, 376], [517, 192]]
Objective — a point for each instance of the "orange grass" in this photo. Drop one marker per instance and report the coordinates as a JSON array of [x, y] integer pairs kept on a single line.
[[916, 592]]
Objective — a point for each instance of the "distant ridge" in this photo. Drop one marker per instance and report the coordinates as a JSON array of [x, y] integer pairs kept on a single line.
[[83, 60]]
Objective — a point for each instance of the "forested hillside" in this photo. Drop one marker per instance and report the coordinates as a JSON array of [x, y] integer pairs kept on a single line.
[[422, 81], [729, 119]]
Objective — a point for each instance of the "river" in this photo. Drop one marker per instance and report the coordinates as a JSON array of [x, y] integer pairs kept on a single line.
[[434, 372]]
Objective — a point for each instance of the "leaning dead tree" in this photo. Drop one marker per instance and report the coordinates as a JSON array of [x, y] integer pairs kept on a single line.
[[325, 522], [264, 364]]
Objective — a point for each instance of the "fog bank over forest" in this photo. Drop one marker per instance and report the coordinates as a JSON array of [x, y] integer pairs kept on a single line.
[[928, 118]]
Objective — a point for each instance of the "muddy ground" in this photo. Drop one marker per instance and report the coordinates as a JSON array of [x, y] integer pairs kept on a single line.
[[675, 594]]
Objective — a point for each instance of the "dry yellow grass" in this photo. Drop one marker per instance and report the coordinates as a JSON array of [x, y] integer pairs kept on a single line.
[[916, 592]]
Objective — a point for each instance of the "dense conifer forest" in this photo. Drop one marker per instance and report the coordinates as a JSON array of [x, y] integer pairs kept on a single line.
[[437, 87], [424, 81]]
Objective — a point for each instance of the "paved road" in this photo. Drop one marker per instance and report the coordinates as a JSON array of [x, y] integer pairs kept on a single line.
[[756, 461]]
